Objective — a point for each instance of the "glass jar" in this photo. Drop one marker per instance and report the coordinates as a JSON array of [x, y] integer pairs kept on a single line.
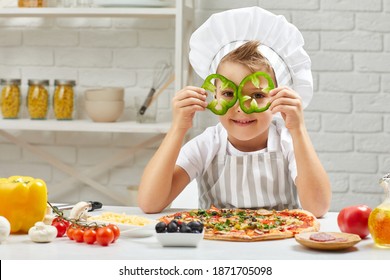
[[379, 220], [63, 99], [10, 98], [32, 3], [38, 99]]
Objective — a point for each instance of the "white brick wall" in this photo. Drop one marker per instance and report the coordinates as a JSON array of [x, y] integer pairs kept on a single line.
[[348, 119]]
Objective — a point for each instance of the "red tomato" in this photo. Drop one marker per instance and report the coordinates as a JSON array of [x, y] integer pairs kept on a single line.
[[61, 228], [78, 235], [354, 219], [115, 229], [69, 232], [104, 236], [60, 219], [89, 236]]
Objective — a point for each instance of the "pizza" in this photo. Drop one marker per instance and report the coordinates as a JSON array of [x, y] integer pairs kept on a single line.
[[247, 224]]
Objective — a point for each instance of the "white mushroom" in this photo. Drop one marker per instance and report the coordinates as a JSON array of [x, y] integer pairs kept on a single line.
[[5, 228], [79, 211], [42, 233]]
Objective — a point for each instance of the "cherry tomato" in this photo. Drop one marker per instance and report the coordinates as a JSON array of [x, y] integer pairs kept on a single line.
[[90, 236], [60, 219], [70, 231], [104, 236], [61, 228], [354, 219], [78, 235], [115, 230]]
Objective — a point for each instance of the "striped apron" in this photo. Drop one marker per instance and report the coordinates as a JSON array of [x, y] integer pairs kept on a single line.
[[260, 180]]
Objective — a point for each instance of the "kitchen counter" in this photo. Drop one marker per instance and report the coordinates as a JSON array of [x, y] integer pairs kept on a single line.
[[20, 247]]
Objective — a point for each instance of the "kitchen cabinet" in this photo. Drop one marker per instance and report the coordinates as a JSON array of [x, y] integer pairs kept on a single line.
[[182, 12]]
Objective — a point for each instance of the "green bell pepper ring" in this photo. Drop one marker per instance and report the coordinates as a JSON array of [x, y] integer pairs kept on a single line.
[[254, 78], [223, 104]]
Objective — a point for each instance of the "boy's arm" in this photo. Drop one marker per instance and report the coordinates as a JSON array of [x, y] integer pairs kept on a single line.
[[312, 181], [163, 180]]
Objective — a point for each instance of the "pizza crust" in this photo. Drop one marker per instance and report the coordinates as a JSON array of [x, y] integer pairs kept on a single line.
[[316, 224]]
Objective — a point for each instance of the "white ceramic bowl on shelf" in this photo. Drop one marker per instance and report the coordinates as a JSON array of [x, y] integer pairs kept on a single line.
[[104, 111], [105, 94]]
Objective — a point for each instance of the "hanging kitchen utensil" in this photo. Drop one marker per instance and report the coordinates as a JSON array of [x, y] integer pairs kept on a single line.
[[163, 87], [162, 71]]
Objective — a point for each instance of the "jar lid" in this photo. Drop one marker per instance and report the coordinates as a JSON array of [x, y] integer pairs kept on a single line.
[[65, 82], [11, 82], [38, 82]]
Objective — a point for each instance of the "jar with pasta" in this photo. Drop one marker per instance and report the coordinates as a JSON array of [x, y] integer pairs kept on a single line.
[[32, 3], [38, 99], [10, 98], [63, 99]]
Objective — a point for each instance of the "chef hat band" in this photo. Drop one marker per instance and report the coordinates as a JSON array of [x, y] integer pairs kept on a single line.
[[280, 42], [282, 73]]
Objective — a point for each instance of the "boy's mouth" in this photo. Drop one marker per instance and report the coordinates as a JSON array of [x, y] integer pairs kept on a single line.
[[243, 122]]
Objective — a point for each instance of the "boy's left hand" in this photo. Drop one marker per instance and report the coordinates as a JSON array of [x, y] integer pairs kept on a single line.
[[287, 102]]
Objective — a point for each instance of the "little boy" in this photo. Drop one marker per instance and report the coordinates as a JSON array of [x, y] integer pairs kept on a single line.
[[257, 160]]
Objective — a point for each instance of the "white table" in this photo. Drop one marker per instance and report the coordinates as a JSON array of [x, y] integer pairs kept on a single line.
[[18, 247]]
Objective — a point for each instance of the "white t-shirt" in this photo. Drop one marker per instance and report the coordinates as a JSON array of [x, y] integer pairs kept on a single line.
[[197, 154]]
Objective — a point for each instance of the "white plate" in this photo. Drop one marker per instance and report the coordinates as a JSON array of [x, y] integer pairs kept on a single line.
[[138, 231], [132, 3], [128, 230], [177, 239]]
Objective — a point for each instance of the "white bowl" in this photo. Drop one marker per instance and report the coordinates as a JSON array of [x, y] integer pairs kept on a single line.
[[105, 94], [138, 231], [104, 111], [178, 239]]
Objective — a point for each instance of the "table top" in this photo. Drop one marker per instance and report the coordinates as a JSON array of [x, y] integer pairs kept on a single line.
[[20, 247]]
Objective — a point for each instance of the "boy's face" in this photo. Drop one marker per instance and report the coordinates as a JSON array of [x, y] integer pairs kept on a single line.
[[247, 132]]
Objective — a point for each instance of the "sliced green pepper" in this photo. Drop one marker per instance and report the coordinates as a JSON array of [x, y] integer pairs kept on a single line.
[[225, 105], [254, 78], [226, 83]]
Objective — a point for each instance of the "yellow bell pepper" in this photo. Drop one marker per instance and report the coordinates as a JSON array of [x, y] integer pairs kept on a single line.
[[23, 201]]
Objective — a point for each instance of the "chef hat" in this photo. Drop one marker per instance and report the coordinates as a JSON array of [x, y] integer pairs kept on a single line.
[[281, 43]]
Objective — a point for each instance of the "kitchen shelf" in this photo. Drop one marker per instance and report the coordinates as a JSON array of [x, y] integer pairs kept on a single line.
[[88, 12], [84, 126], [182, 13]]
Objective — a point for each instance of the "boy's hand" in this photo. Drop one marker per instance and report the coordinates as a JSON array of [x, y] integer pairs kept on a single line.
[[185, 103], [289, 104]]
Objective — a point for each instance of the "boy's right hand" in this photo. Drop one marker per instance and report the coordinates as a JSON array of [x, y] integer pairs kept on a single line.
[[185, 103]]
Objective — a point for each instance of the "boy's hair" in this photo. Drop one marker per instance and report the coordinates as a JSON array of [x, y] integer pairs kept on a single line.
[[249, 55]]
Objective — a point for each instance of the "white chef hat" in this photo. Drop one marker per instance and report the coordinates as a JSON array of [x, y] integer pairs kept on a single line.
[[281, 43]]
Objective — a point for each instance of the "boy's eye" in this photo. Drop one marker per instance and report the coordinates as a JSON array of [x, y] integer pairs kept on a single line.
[[227, 94], [258, 95]]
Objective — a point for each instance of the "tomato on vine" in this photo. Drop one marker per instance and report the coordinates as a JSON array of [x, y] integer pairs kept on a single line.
[[78, 235], [104, 236], [61, 219], [115, 230], [83, 232], [60, 226], [70, 231], [90, 236]]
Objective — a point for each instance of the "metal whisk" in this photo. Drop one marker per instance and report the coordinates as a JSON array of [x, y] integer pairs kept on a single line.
[[162, 71]]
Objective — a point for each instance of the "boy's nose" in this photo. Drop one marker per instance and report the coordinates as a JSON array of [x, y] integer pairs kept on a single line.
[[237, 107]]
